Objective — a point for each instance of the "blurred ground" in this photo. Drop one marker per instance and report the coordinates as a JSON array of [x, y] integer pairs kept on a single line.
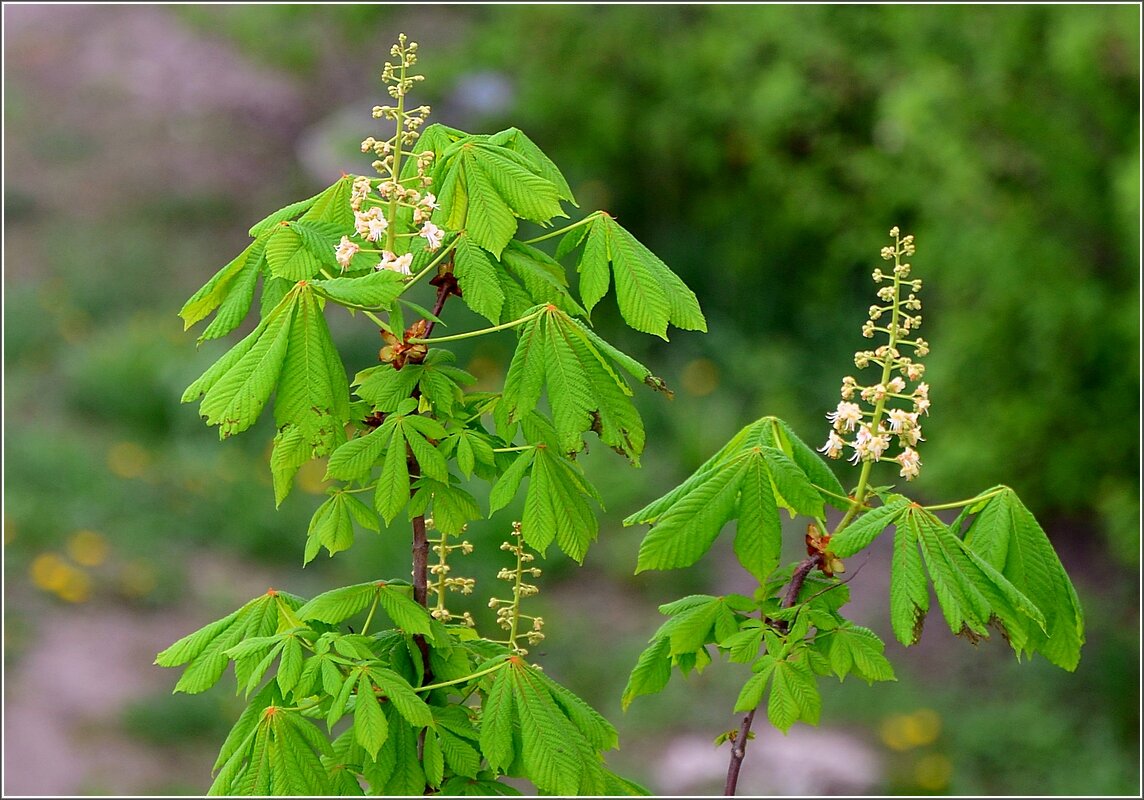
[[139, 144]]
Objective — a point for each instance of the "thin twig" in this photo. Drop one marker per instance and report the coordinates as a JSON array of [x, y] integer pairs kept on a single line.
[[739, 746]]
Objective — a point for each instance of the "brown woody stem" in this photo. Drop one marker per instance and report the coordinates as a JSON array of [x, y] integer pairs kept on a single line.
[[739, 745], [446, 285]]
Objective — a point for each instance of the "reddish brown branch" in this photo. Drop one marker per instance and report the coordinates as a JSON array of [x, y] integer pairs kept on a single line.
[[739, 745]]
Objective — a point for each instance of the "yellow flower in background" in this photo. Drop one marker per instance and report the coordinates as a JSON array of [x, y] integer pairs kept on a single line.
[[77, 589], [902, 732], [51, 573], [88, 548], [933, 771], [128, 460]]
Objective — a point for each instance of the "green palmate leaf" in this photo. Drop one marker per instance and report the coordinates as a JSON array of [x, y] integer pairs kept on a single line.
[[204, 651], [547, 750], [651, 672], [795, 491], [557, 734], [515, 140], [408, 775], [962, 602], [687, 529], [696, 621], [1006, 536], [398, 692], [338, 605], [371, 728], [242, 733], [332, 206], [373, 291], [794, 694], [583, 389], [313, 392], [485, 188], [557, 505], [292, 211], [529, 276], [479, 279], [459, 754], [291, 349], [758, 536], [230, 291], [811, 463], [497, 721], [453, 507], [235, 389], [296, 251], [650, 295], [332, 525], [756, 686], [504, 490], [600, 733], [909, 592], [858, 650], [972, 594], [748, 479], [280, 755], [858, 534], [758, 434], [436, 379]]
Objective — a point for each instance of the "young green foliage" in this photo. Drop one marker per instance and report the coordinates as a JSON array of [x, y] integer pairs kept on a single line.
[[428, 704], [999, 572]]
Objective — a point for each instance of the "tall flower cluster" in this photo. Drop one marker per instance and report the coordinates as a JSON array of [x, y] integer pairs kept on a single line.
[[509, 616], [870, 417], [441, 583], [393, 211]]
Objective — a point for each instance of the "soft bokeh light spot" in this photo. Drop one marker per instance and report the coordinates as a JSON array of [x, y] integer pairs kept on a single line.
[[138, 578], [77, 589], [700, 377], [893, 732], [922, 727], [88, 548], [902, 732], [51, 573], [128, 460], [933, 771], [487, 372], [310, 477]]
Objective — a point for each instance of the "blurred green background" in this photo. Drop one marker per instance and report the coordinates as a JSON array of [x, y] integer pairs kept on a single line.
[[763, 152]]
